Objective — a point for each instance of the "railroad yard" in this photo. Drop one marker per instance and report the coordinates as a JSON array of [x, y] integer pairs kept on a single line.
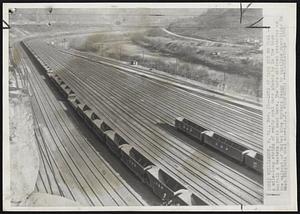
[[109, 133], [142, 111]]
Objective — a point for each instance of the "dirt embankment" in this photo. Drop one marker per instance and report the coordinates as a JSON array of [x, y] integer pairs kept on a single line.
[[23, 152], [24, 159]]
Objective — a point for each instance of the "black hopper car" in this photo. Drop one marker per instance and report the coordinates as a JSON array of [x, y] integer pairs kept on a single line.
[[238, 152], [163, 185], [171, 191]]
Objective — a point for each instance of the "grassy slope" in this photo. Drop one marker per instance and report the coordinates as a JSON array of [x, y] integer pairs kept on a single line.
[[220, 25], [243, 61], [244, 64], [193, 59]]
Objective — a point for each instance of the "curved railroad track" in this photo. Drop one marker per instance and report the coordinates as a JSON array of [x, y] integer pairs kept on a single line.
[[82, 173], [130, 105]]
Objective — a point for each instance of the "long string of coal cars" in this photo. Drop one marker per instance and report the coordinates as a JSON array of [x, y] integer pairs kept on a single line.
[[238, 152], [171, 191]]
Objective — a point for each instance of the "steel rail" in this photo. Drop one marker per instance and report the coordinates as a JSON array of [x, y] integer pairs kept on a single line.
[[71, 136], [250, 132]]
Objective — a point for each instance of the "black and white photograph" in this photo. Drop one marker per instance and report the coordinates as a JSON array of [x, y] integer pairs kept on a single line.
[[137, 106]]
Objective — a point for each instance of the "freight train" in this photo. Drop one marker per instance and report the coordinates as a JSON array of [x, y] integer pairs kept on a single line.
[[168, 189], [238, 152], [162, 184]]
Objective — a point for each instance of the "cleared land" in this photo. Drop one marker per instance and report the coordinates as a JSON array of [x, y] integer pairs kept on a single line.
[[226, 64]]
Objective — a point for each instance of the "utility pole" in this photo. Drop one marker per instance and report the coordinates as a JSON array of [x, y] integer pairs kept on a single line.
[[50, 12]]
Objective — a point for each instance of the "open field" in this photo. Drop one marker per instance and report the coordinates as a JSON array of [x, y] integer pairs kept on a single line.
[[240, 69], [224, 56], [221, 25]]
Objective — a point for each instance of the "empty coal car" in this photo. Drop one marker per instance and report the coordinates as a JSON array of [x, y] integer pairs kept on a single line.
[[189, 127], [254, 161], [186, 197], [162, 184], [223, 145], [135, 161], [114, 141], [238, 152]]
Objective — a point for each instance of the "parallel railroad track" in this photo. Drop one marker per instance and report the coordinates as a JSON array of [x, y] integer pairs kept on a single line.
[[214, 181], [239, 125], [83, 174], [253, 110]]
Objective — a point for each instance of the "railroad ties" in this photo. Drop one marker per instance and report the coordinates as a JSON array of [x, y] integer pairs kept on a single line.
[[168, 189], [255, 114], [70, 166], [103, 99]]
